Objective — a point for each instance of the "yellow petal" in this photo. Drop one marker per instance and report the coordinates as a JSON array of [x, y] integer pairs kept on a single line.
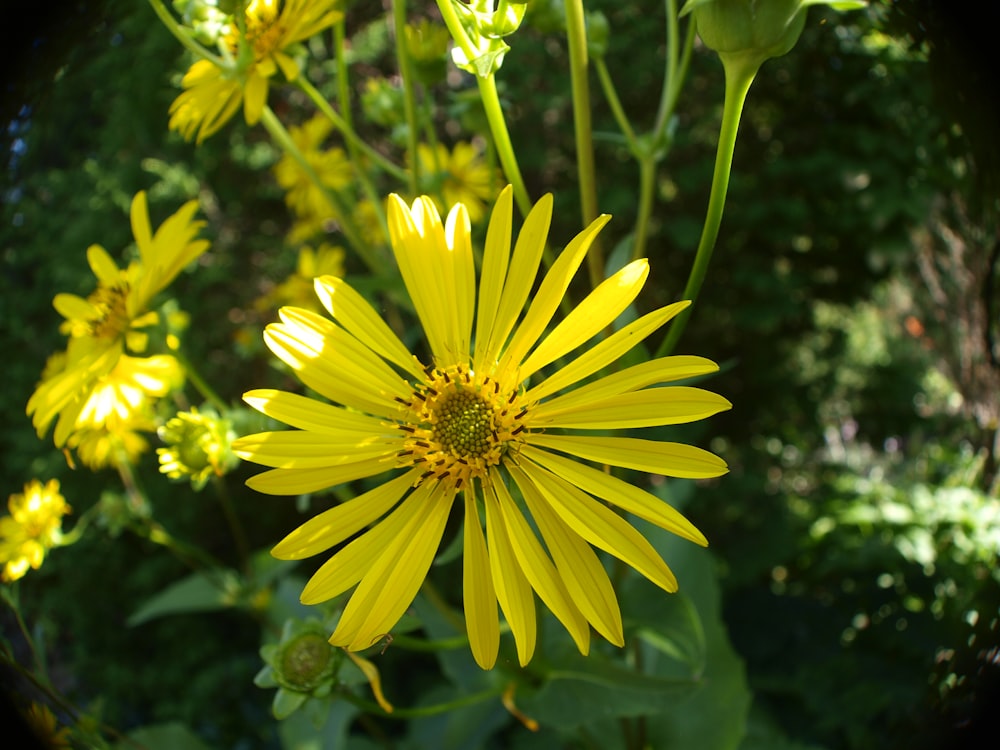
[[595, 313], [633, 378], [601, 526], [520, 276], [461, 276], [104, 268], [371, 674], [333, 526], [139, 215], [495, 258], [254, 98], [550, 294], [653, 456], [302, 449], [613, 490], [72, 307], [303, 481], [581, 571], [537, 566], [648, 408], [354, 313], [393, 581], [309, 414], [478, 592], [606, 351], [513, 589]]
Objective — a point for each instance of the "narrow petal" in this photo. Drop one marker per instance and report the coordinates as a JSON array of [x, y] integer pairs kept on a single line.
[[521, 277], [307, 413], [550, 293], [350, 564], [302, 449], [478, 592], [496, 256], [597, 311], [512, 588], [653, 456], [581, 571], [648, 408], [139, 216], [104, 268], [393, 581], [538, 568], [613, 490], [254, 98], [72, 307], [303, 481], [333, 526], [354, 313], [663, 370], [606, 351], [461, 278], [601, 526]]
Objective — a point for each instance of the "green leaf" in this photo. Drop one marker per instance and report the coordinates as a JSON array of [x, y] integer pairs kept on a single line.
[[196, 593], [168, 736]]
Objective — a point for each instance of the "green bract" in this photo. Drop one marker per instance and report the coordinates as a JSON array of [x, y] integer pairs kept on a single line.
[[485, 26]]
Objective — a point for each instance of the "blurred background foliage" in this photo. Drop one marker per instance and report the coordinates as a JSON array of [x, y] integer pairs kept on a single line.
[[853, 304]]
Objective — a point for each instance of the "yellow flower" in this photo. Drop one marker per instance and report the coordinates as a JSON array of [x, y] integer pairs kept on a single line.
[[479, 421], [459, 176], [332, 167], [297, 289], [198, 446], [46, 729], [33, 527], [114, 317], [212, 93]]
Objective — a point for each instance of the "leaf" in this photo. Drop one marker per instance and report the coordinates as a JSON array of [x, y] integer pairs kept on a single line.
[[163, 737], [197, 593]]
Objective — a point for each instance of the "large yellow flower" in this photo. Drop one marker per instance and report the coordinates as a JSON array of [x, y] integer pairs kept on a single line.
[[213, 92], [33, 527], [111, 321], [479, 421]]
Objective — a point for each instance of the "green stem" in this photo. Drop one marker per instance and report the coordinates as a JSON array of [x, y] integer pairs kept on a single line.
[[576, 36], [235, 525], [409, 98], [182, 35], [340, 210], [410, 713], [608, 87], [647, 183], [345, 129], [200, 384], [738, 80]]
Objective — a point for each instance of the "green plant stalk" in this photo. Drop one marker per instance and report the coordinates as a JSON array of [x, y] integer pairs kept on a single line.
[[235, 525], [409, 97], [343, 215], [738, 81], [576, 36], [182, 36], [200, 384], [411, 713], [608, 87], [345, 129], [647, 183], [494, 112]]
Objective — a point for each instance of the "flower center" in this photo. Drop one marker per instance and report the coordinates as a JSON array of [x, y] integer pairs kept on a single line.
[[264, 29], [111, 318], [458, 424]]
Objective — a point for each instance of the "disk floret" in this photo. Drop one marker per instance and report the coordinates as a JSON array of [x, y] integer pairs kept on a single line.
[[459, 424]]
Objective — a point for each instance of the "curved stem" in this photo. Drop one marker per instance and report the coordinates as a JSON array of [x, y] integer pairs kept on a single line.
[[738, 80], [345, 129], [168, 20], [410, 713], [611, 95], [200, 384], [340, 210], [409, 97], [576, 37]]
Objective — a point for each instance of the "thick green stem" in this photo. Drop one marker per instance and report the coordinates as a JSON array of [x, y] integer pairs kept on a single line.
[[341, 212], [647, 183], [738, 80], [576, 36], [409, 97]]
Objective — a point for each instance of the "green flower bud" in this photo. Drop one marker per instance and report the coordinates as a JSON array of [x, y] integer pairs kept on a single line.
[[198, 446], [598, 31], [302, 665], [486, 26]]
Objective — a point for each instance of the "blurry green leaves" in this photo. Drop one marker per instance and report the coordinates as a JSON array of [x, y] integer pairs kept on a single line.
[[480, 47]]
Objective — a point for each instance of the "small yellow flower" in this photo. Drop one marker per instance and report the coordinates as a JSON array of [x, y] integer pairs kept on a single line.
[[297, 289], [479, 421], [114, 318], [332, 166], [459, 176], [198, 446], [33, 527], [212, 94], [44, 726]]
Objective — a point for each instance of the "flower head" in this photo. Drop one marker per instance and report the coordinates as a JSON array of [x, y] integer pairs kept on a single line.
[[332, 166], [478, 421], [33, 527], [213, 89], [198, 446], [114, 318], [459, 176]]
